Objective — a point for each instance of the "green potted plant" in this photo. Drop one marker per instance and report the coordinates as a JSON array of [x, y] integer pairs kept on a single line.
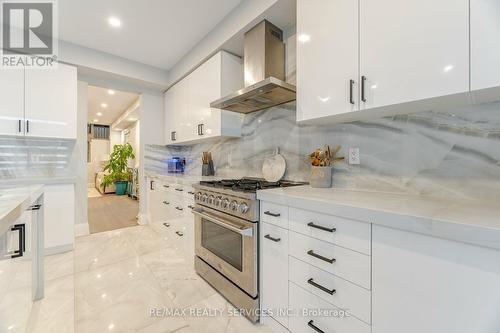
[[117, 168]]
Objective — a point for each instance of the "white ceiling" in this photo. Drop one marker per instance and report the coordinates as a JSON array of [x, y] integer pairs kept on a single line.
[[117, 104], [153, 32]]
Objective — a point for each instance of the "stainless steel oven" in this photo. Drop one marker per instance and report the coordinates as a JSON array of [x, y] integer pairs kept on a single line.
[[229, 245]]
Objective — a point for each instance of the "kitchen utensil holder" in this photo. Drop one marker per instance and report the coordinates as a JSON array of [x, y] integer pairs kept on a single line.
[[321, 176], [208, 169]]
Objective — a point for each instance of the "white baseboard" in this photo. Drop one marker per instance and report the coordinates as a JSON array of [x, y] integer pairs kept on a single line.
[[143, 219], [58, 249], [81, 229]]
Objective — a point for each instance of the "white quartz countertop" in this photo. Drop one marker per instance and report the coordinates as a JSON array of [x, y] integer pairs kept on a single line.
[[14, 201], [36, 181], [473, 222]]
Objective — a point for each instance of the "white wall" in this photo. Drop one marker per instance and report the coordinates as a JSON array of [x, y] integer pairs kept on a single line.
[[151, 115], [79, 162], [93, 62], [134, 139]]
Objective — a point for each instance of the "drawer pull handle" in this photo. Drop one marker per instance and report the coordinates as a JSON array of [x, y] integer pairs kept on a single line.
[[166, 186], [190, 192], [319, 256], [180, 234], [191, 207], [320, 227], [314, 327], [166, 224], [272, 238], [178, 208], [179, 189], [166, 202], [272, 214], [317, 285]]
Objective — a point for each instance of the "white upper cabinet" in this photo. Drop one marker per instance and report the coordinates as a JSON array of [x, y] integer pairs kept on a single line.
[[413, 50], [485, 43], [327, 58], [51, 102], [188, 116], [12, 101]]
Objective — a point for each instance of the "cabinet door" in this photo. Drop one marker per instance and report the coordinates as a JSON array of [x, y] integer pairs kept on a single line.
[[485, 46], [205, 88], [51, 102], [169, 105], [433, 285], [274, 277], [181, 111], [327, 57], [413, 50], [12, 101]]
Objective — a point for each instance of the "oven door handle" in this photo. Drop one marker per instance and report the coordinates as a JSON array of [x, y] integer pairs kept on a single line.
[[244, 232]]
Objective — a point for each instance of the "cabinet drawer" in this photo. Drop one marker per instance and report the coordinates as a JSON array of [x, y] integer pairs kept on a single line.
[[274, 214], [274, 270], [334, 290], [330, 318], [347, 264], [348, 233]]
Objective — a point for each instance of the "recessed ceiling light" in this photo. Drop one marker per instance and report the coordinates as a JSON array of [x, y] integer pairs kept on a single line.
[[114, 22], [99, 114], [96, 120], [104, 105], [111, 92]]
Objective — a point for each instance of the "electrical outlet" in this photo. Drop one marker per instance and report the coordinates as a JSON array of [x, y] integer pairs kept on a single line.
[[354, 156]]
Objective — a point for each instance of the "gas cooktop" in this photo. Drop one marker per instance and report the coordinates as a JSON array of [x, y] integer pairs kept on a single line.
[[250, 185]]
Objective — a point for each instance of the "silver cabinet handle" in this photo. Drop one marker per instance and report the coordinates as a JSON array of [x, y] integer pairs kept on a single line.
[[242, 230], [166, 202], [320, 287], [351, 87], [179, 189], [319, 256], [320, 227], [179, 233], [179, 208], [314, 327], [166, 224], [272, 238], [272, 214], [363, 80]]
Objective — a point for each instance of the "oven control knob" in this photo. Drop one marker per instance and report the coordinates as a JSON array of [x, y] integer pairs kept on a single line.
[[211, 199], [197, 196], [225, 203], [243, 207], [204, 197], [233, 205], [218, 201]]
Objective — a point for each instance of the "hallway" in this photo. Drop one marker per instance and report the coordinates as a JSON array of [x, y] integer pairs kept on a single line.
[[110, 212]]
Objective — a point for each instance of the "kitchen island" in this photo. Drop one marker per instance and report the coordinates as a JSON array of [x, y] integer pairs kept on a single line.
[[21, 253]]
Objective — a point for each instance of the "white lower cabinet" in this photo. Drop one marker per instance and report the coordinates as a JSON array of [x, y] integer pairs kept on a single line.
[[332, 289], [305, 272], [433, 285], [59, 219], [169, 205], [313, 314], [347, 264], [274, 271]]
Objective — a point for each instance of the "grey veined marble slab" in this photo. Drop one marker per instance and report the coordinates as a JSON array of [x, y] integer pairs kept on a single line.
[[448, 154]]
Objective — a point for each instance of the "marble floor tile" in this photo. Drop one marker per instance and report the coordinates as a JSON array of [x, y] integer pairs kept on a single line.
[[146, 240], [56, 311], [59, 265], [101, 249], [200, 322]]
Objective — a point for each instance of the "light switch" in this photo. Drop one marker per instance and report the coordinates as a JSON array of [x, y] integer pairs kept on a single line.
[[354, 156]]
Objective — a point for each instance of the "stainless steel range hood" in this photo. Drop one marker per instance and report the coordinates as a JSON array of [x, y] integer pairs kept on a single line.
[[264, 65]]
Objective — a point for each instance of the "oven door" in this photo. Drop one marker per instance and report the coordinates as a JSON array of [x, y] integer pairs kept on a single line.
[[229, 245]]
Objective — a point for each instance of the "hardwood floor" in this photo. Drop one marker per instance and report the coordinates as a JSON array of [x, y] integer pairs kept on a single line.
[[111, 212]]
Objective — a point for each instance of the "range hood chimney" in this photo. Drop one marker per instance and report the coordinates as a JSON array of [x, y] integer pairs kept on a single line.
[[264, 65]]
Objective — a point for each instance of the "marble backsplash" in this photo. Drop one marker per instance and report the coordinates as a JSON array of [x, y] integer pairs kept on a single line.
[[454, 153], [22, 158]]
